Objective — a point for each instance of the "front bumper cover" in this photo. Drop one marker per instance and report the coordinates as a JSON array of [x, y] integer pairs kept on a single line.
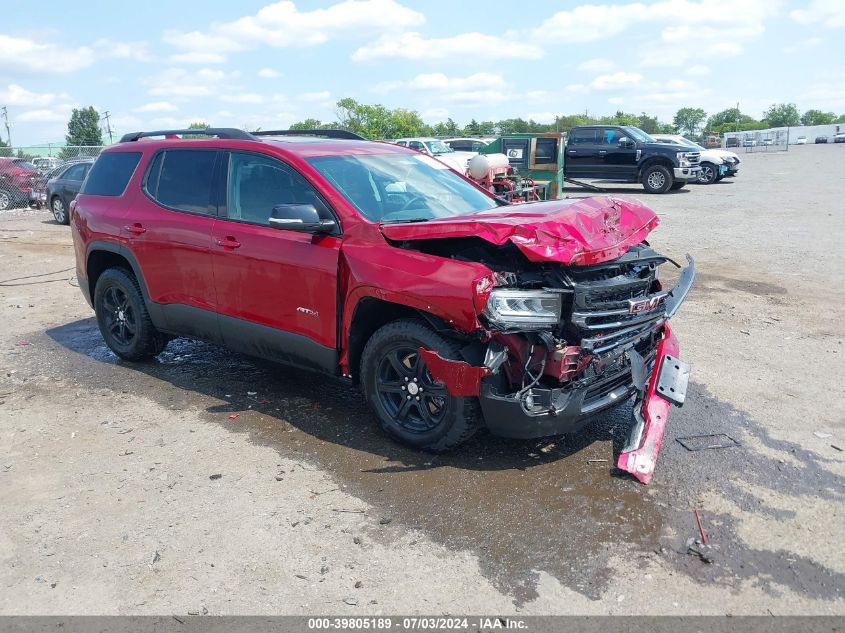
[[688, 174]]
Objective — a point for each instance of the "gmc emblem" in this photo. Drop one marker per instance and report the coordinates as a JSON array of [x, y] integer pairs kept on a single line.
[[638, 306]]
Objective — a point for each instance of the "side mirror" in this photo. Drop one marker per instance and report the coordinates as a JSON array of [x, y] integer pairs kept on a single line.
[[626, 143], [300, 217]]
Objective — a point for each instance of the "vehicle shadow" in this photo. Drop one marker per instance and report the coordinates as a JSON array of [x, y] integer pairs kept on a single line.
[[633, 190]]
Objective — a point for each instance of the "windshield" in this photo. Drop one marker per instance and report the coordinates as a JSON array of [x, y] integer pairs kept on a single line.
[[439, 147], [401, 187], [689, 143], [639, 135], [24, 164]]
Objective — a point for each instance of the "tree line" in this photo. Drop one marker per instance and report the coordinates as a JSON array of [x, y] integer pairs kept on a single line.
[[376, 121]]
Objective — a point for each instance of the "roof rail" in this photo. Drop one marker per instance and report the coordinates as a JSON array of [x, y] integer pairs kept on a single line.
[[345, 134], [219, 132]]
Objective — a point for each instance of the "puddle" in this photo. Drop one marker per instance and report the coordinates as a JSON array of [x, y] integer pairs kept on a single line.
[[519, 506]]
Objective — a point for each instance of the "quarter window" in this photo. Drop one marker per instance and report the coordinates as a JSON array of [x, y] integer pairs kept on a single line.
[[111, 173], [259, 183], [181, 179]]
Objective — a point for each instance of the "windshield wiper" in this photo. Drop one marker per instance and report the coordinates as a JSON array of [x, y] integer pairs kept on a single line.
[[403, 221]]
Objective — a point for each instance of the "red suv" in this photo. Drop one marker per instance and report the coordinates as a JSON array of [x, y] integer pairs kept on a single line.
[[371, 262], [17, 180]]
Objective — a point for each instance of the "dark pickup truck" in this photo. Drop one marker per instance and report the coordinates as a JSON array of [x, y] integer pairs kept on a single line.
[[627, 154]]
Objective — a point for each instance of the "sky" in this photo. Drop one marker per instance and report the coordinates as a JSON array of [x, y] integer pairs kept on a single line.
[[255, 63]]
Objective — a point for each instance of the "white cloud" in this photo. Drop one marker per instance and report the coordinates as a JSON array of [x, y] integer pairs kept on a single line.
[[828, 13], [281, 24], [269, 73], [810, 42], [16, 95], [57, 114], [181, 84], [27, 55], [463, 46], [242, 97], [616, 81], [597, 65], [138, 51], [323, 95], [157, 106], [196, 57], [698, 70], [435, 115]]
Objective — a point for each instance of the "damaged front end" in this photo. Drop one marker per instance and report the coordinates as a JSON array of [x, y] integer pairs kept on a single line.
[[562, 342]]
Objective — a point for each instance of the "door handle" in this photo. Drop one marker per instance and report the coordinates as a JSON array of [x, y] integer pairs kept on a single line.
[[135, 229], [572, 151], [227, 242], [602, 152]]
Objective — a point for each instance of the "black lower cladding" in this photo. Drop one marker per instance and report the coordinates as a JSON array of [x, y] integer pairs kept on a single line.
[[253, 339], [572, 407]]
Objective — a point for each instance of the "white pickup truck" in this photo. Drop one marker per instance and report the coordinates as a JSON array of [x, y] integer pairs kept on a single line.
[[715, 163], [437, 148]]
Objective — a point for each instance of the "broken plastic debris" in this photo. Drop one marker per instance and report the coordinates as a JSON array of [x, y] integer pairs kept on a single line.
[[705, 442], [234, 416], [252, 393], [822, 436]]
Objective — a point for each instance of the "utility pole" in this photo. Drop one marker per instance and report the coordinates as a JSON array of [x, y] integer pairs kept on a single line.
[[8, 126], [736, 128], [108, 126]]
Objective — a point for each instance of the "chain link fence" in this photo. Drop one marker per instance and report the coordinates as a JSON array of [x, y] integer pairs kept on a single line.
[[758, 141], [24, 171]]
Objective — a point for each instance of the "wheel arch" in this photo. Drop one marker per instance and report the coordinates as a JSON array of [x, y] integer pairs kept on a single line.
[[104, 255], [372, 313], [655, 160]]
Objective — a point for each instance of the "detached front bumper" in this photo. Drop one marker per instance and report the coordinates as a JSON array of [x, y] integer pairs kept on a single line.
[[687, 174]]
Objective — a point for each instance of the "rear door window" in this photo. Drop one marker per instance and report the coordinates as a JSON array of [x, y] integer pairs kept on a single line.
[[181, 179], [111, 173], [77, 172]]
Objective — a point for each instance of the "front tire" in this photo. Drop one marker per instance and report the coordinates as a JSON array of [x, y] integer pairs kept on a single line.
[[60, 214], [123, 317], [409, 405], [5, 200], [657, 179], [709, 174]]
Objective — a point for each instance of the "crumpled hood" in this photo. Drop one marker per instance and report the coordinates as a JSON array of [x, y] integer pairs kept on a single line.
[[576, 232]]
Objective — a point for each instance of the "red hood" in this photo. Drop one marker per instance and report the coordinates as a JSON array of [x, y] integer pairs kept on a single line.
[[576, 232]]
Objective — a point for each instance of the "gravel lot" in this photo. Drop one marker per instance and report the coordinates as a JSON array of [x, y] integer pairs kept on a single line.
[[209, 482]]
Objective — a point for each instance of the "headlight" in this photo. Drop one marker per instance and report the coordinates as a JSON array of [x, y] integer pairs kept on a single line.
[[683, 159], [513, 308]]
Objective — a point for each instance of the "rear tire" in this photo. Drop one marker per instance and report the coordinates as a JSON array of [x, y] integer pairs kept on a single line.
[[5, 200], [409, 405], [657, 179], [60, 214], [123, 317]]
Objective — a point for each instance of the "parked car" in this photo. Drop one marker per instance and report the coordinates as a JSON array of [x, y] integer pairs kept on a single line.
[[367, 261], [715, 163], [821, 139], [839, 137], [45, 164], [749, 142], [801, 140], [470, 144], [63, 187], [627, 154], [767, 141], [437, 148], [17, 179], [732, 141]]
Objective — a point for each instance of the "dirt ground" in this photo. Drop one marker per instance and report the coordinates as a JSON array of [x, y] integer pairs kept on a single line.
[[208, 482]]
